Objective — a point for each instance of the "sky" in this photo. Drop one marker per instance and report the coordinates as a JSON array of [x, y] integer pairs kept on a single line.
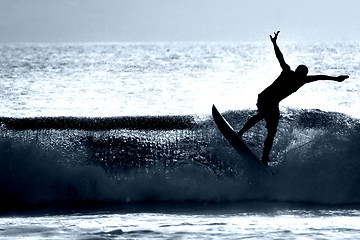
[[177, 20]]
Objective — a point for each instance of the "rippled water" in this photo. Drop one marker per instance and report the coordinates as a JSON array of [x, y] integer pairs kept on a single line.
[[165, 78], [222, 221]]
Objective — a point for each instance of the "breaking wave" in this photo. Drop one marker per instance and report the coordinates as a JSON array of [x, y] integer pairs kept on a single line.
[[177, 159]]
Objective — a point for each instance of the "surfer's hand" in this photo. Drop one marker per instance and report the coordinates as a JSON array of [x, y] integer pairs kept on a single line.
[[341, 78], [273, 39]]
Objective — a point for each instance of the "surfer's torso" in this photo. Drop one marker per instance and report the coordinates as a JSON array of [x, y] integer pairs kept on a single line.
[[287, 83]]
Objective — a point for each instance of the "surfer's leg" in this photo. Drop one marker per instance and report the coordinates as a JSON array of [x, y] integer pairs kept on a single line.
[[268, 144], [272, 120], [250, 123], [254, 119]]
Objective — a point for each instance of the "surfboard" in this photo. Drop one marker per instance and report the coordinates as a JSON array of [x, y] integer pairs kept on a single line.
[[233, 138]]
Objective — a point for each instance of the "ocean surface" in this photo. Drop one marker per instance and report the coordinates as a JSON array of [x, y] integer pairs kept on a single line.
[[116, 141]]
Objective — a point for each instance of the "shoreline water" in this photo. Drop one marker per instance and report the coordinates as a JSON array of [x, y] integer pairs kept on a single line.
[[235, 220]]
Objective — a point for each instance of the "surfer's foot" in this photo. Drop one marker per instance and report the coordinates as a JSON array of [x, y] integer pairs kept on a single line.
[[265, 161]]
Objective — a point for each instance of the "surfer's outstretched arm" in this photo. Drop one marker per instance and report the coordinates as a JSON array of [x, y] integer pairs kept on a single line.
[[278, 53], [313, 78]]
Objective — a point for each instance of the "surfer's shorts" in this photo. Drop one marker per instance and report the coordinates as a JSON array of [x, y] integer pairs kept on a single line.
[[270, 112]]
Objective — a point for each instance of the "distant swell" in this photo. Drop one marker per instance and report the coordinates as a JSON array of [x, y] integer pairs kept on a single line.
[[316, 159], [84, 123]]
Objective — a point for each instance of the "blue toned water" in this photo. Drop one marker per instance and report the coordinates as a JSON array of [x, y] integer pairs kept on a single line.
[[117, 141], [105, 80], [229, 221]]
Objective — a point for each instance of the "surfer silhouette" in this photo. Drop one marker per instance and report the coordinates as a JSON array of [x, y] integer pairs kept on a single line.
[[287, 83]]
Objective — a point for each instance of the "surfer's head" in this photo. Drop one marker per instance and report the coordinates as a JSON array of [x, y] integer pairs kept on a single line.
[[302, 70]]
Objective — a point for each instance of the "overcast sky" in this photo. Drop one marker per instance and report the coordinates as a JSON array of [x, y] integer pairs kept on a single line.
[[178, 20]]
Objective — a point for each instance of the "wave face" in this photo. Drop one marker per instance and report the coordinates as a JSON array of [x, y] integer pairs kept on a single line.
[[315, 159]]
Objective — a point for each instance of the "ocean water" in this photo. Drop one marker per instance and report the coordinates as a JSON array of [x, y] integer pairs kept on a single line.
[[116, 141]]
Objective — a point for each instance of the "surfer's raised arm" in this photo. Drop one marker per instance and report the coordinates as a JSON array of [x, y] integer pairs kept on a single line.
[[278, 53], [313, 78]]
